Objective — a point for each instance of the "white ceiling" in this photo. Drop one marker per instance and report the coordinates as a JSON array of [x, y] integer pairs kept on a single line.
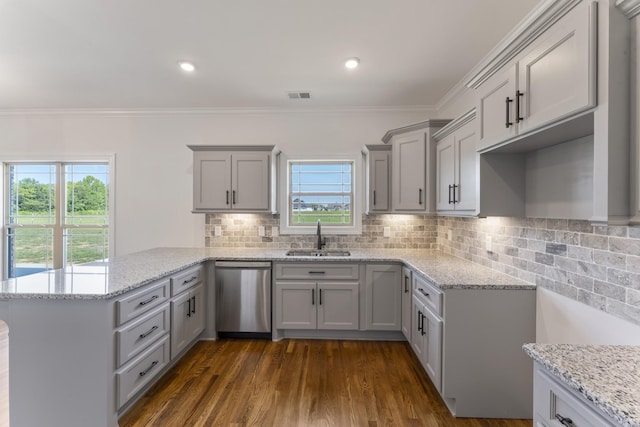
[[123, 53]]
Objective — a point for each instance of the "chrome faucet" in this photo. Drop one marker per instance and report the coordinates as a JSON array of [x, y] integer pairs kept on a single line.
[[320, 240]]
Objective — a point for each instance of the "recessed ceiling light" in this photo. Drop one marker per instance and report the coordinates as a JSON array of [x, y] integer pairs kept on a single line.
[[352, 63], [187, 66]]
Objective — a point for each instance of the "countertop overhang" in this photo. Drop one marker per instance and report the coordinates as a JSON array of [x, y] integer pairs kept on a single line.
[[128, 272]]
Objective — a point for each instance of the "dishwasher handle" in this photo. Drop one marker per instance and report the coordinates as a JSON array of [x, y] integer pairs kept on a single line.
[[243, 264]]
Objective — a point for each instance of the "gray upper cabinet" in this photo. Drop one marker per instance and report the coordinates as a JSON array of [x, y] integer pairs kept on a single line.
[[413, 179], [225, 180], [552, 79], [456, 160], [377, 178]]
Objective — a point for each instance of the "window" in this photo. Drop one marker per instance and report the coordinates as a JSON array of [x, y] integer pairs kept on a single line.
[[55, 214], [321, 190]]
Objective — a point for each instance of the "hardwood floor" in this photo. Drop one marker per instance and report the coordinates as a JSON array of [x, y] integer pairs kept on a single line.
[[297, 383]]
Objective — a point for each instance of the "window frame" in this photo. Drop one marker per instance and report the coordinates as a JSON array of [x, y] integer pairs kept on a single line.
[[58, 226], [356, 189]]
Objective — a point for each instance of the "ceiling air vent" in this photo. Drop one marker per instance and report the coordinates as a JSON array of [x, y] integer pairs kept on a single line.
[[299, 95]]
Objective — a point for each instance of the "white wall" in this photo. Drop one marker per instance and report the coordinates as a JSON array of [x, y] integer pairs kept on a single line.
[[153, 182]]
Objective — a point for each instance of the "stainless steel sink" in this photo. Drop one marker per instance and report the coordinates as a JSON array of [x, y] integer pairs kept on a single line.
[[317, 252]]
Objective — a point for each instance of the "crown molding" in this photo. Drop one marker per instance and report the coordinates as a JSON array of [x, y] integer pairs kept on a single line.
[[133, 112], [535, 23], [456, 124], [431, 123], [630, 8]]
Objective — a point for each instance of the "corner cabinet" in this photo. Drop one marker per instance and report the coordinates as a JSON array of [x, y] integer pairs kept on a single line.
[[377, 178], [554, 78], [413, 182], [233, 178], [456, 161], [383, 293], [464, 338]]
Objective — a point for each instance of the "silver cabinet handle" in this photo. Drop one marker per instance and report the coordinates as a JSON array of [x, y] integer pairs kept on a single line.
[[148, 301], [149, 332], [146, 371], [190, 280]]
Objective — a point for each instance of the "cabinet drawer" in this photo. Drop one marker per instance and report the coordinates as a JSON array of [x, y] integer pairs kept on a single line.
[[429, 294], [317, 271], [136, 303], [141, 370], [186, 279], [552, 401], [132, 339]]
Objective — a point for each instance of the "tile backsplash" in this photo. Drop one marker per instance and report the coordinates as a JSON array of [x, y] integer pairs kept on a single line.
[[595, 265], [241, 230]]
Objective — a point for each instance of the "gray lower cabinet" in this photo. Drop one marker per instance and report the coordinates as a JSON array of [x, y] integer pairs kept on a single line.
[[554, 403], [406, 302], [383, 307], [316, 305], [316, 296], [187, 318], [464, 339]]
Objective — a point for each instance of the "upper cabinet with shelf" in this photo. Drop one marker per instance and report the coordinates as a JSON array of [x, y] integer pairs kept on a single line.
[[552, 79], [553, 125], [413, 170], [233, 178]]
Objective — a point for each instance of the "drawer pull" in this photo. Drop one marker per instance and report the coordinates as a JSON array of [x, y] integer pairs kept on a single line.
[[406, 281], [190, 280], [419, 320], [508, 123], [146, 371], [313, 297], [189, 307], [568, 422], [423, 317], [426, 294], [149, 332], [193, 307], [316, 272], [320, 296], [155, 297]]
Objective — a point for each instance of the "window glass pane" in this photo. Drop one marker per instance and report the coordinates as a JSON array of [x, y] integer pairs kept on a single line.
[[320, 191], [30, 250], [85, 245], [87, 194], [32, 193]]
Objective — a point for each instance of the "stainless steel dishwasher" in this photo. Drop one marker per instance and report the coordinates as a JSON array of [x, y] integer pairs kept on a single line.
[[243, 297]]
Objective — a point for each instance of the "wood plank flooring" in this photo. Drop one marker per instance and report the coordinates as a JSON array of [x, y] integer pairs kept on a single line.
[[297, 383]]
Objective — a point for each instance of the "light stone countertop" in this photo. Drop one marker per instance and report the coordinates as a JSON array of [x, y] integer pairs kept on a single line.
[[127, 272], [607, 375]]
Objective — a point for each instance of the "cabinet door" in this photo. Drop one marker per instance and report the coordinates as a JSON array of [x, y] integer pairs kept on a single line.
[[337, 305], [465, 162], [211, 180], [196, 318], [445, 173], [379, 176], [250, 181], [432, 356], [495, 108], [417, 333], [557, 76], [295, 305], [383, 293], [409, 172], [406, 303], [180, 314]]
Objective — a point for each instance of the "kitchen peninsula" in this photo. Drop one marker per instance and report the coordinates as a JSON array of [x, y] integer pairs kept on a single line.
[[74, 320]]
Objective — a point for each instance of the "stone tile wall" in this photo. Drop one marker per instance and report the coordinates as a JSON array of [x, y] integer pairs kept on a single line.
[[595, 265], [241, 230]]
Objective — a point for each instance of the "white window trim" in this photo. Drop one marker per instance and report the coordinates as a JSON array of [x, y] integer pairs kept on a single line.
[[356, 228], [110, 159]]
